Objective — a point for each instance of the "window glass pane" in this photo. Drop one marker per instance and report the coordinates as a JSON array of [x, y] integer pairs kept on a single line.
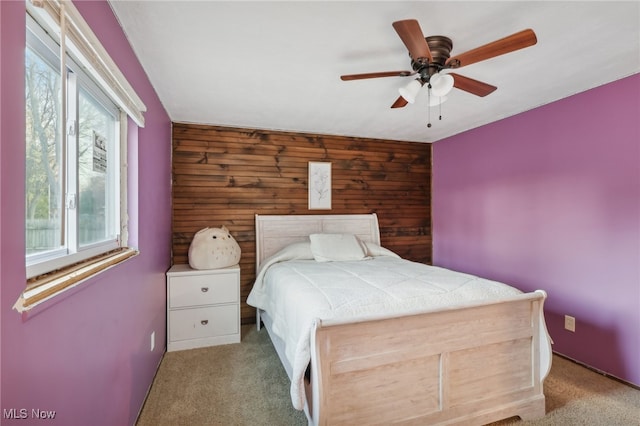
[[97, 163], [44, 215]]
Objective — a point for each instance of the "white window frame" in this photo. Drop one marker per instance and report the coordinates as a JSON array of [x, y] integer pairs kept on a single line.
[[76, 77], [78, 45]]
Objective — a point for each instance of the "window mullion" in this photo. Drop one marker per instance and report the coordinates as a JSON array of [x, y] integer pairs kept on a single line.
[[71, 169], [64, 224]]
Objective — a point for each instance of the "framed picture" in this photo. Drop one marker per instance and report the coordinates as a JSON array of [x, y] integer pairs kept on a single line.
[[319, 186]]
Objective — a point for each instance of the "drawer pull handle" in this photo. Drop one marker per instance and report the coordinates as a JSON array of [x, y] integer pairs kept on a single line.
[[204, 322], [205, 289]]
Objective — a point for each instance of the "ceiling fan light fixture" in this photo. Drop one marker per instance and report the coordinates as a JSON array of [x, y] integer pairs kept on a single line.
[[441, 84], [411, 90]]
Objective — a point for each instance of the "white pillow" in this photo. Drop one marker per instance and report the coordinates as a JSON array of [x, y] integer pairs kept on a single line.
[[374, 250], [336, 247]]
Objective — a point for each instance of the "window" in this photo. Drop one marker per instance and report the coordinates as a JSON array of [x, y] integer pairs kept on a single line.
[[76, 105], [72, 170]]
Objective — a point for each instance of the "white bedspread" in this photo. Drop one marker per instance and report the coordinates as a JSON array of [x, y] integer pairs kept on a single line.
[[295, 290]]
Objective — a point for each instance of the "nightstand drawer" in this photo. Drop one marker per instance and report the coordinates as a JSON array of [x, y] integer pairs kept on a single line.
[[197, 290], [203, 322]]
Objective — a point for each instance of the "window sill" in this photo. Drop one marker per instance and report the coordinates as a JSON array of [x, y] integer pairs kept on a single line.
[[45, 287]]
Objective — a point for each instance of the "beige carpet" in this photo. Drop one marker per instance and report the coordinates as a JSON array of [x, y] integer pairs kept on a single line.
[[245, 384], [576, 396]]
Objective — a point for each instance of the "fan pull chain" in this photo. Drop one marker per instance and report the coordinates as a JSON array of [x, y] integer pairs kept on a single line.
[[429, 105]]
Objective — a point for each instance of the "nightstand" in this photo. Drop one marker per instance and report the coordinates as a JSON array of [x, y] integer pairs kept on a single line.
[[203, 307]]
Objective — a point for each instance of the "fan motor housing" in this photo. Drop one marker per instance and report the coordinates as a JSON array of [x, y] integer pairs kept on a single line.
[[440, 47]]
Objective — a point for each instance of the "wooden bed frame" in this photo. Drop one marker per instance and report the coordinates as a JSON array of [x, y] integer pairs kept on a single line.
[[470, 364]]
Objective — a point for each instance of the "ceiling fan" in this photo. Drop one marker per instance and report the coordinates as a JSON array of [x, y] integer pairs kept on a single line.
[[431, 55]]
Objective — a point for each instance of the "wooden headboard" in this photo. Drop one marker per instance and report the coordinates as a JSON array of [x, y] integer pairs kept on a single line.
[[274, 232]]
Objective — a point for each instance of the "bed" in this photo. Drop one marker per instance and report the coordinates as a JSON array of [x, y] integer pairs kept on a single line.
[[455, 355]]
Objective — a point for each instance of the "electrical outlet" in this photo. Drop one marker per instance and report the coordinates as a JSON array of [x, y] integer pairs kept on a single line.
[[569, 323], [153, 340]]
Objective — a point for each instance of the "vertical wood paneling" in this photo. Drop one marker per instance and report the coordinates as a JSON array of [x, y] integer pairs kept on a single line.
[[224, 176]]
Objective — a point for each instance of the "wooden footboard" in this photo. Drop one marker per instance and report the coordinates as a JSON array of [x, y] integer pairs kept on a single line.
[[471, 365]]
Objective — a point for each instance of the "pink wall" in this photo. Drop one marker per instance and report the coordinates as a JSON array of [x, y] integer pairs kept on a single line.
[[550, 199], [87, 355]]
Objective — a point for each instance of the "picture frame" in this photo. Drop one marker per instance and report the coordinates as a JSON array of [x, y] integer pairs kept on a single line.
[[319, 185]]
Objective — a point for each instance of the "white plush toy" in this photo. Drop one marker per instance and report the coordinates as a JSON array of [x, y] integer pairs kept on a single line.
[[213, 248]]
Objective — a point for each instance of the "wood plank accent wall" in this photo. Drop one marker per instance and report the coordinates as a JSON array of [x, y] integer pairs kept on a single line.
[[224, 176]]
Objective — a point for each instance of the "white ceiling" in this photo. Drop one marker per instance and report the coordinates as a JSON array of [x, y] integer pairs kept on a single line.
[[276, 65]]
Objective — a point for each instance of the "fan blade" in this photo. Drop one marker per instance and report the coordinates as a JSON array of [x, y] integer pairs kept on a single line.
[[470, 85], [399, 103], [413, 38], [376, 75], [516, 41]]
